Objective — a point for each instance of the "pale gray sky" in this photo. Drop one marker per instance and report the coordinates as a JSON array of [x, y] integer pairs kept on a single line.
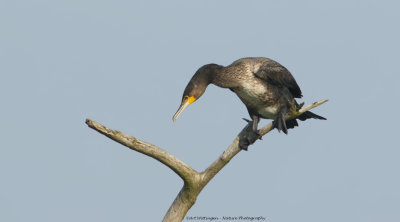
[[125, 64]]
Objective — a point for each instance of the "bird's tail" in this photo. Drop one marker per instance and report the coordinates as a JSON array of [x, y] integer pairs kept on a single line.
[[309, 115]]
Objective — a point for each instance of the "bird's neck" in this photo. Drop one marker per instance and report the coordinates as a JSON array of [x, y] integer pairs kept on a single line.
[[207, 74], [220, 76]]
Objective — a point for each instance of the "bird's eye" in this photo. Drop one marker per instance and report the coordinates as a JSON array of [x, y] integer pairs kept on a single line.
[[186, 97]]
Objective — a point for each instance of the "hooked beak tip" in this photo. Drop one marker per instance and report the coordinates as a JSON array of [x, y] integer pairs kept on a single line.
[[180, 110]]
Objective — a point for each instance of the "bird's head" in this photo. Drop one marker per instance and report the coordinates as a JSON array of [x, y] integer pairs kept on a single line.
[[196, 87]]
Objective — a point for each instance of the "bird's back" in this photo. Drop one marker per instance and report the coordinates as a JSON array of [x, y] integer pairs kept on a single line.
[[239, 72], [265, 85], [254, 63]]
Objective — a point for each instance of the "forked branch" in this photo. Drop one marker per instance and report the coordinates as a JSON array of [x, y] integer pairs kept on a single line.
[[194, 182]]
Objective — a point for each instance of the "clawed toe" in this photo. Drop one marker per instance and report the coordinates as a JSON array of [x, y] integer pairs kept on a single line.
[[246, 120]]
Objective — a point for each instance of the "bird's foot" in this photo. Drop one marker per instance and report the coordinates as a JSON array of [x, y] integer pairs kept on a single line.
[[249, 139], [280, 125]]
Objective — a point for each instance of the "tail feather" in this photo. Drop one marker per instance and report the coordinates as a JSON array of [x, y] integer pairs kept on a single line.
[[309, 115], [290, 124]]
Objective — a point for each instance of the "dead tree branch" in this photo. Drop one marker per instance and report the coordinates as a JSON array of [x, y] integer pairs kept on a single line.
[[194, 181]]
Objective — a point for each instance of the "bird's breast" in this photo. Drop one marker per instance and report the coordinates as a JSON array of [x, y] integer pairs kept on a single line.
[[258, 99]]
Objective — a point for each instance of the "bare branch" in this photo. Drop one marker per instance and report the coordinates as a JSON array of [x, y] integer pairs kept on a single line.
[[183, 202], [175, 164], [194, 182], [225, 157]]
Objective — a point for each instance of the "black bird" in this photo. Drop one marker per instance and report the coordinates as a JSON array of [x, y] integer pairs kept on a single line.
[[266, 88]]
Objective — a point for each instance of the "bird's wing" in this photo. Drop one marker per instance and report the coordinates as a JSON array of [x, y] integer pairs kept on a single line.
[[276, 74]]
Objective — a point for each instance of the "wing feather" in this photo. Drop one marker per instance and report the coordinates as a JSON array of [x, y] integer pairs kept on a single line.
[[274, 73]]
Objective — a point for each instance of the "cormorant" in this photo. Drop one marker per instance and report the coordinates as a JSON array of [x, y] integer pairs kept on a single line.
[[266, 88]]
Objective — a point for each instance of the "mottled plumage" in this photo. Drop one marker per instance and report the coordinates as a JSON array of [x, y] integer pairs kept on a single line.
[[266, 87]]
